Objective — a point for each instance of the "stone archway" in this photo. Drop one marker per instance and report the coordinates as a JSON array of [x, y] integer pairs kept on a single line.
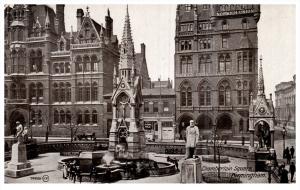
[[224, 123], [14, 117], [204, 122], [183, 122]]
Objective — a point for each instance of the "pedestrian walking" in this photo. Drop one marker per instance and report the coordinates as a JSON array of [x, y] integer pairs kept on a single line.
[[292, 152], [284, 175], [292, 171], [288, 155]]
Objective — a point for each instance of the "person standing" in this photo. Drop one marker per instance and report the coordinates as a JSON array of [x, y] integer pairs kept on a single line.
[[284, 175], [292, 171], [192, 136], [292, 152], [288, 155]]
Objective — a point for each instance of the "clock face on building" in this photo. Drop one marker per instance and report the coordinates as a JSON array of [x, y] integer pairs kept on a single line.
[[122, 85], [262, 110]]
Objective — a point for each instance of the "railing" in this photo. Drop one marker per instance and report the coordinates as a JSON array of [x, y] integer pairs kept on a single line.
[[88, 45], [58, 53], [16, 101], [20, 69], [35, 39], [186, 33]]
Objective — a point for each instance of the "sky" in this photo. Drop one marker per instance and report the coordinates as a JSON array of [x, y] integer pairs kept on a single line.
[[154, 25]]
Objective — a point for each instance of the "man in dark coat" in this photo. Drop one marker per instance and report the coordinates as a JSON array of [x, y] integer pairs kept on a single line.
[[284, 175], [292, 152], [288, 155], [292, 170]]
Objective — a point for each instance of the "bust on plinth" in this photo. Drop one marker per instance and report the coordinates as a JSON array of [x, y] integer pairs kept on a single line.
[[19, 166]]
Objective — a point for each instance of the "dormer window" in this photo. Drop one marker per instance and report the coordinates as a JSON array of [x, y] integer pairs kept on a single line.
[[224, 25]]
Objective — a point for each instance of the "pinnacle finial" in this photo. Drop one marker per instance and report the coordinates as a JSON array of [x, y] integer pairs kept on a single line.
[[47, 20], [127, 12], [108, 12], [87, 11], [261, 86]]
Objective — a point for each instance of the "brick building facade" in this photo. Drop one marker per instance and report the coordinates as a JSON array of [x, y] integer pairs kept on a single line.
[[215, 66], [55, 80], [285, 103]]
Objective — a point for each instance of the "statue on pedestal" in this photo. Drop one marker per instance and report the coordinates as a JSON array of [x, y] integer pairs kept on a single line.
[[192, 136]]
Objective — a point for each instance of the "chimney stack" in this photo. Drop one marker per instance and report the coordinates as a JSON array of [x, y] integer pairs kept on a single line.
[[60, 19], [79, 15], [143, 50]]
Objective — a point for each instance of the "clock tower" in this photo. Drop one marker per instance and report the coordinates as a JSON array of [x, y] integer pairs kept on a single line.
[[127, 137], [261, 124]]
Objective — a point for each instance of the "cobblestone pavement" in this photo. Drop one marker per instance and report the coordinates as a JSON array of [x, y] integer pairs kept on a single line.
[[46, 165]]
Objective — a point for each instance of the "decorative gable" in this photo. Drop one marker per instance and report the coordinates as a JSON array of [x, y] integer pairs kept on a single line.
[[88, 32]]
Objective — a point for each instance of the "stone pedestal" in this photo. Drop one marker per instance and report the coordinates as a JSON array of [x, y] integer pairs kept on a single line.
[[191, 171], [256, 161], [18, 166]]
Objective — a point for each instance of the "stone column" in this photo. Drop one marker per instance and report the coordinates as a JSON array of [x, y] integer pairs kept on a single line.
[[252, 138], [272, 139]]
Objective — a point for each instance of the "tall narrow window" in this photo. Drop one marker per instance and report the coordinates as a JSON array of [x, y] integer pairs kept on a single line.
[[224, 94], [94, 117], [94, 92], [224, 25], [62, 116], [155, 107], [244, 24], [68, 116], [80, 91], [56, 117], [146, 107], [224, 42], [186, 94], [79, 64], [87, 91], [204, 94], [221, 63], [227, 63], [86, 117], [62, 92], [68, 92]]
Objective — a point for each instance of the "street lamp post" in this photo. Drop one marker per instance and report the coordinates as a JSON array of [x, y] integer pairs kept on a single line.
[[283, 138]]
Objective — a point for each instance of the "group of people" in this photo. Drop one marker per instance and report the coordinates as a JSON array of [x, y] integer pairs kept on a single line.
[[71, 170], [288, 154]]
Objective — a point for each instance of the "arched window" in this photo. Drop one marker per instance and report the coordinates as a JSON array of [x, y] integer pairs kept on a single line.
[[87, 92], [244, 23], [40, 91], [55, 93], [61, 46], [62, 116], [32, 61], [68, 92], [56, 117], [241, 125], [243, 93], [56, 68], [186, 64], [224, 25], [6, 91], [227, 63], [224, 94], [86, 63], [32, 91], [80, 92], [204, 94], [79, 64], [61, 68], [39, 118], [95, 91], [94, 63], [250, 62], [13, 91], [67, 67], [62, 92], [39, 61], [32, 117], [221, 63], [94, 117], [68, 116], [186, 94], [86, 117], [22, 91], [79, 117]]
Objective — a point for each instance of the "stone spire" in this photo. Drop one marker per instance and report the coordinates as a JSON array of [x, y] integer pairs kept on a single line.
[[260, 85], [102, 35], [47, 20], [127, 46]]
